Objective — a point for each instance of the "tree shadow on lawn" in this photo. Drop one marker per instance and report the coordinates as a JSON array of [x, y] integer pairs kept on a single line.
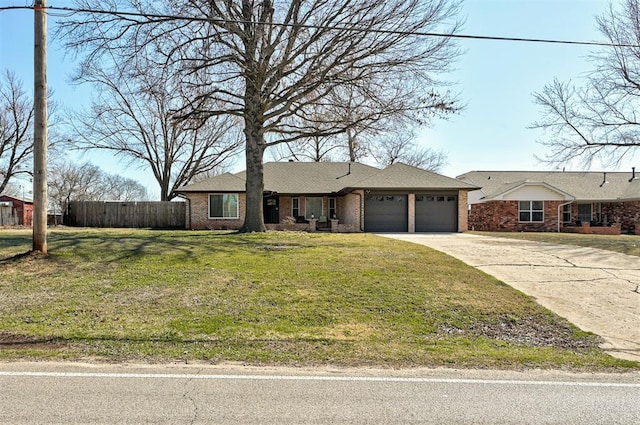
[[9, 341], [116, 247], [123, 246], [21, 256], [170, 348]]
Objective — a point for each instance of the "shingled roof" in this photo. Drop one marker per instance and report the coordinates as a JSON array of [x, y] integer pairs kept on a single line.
[[581, 185], [403, 177], [330, 178], [226, 182]]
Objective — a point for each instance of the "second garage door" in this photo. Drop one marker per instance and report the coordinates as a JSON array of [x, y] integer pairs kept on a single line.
[[436, 213], [385, 213]]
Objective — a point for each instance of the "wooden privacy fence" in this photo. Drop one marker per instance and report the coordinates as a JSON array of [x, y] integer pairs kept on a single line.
[[158, 215]]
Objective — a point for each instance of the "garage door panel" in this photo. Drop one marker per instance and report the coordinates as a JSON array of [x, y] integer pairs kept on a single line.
[[386, 213], [436, 213]]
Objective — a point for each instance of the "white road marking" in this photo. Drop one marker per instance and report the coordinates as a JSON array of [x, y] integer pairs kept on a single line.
[[315, 378]]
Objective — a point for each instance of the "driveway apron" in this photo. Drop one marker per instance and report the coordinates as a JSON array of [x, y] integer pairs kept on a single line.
[[596, 290]]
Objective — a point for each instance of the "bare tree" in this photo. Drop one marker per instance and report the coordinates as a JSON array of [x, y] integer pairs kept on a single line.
[[272, 63], [134, 114], [370, 126], [366, 115], [598, 120], [16, 129], [119, 188], [87, 182], [313, 149], [384, 134], [402, 147]]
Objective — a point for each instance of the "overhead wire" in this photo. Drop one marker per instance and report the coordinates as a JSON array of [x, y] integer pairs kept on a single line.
[[70, 11]]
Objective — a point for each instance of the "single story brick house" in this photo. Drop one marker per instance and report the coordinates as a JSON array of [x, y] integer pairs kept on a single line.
[[340, 196], [551, 201]]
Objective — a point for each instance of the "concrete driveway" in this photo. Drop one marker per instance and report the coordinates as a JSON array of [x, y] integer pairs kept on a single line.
[[596, 290]]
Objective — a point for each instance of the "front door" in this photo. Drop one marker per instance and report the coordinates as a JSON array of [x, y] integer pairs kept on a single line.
[[271, 211]]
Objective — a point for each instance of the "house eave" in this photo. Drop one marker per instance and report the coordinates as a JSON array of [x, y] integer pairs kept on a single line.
[[605, 200], [405, 189]]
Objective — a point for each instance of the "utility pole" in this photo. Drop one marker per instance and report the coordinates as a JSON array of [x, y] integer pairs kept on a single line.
[[40, 128]]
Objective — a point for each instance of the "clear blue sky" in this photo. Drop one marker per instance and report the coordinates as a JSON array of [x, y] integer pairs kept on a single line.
[[496, 78]]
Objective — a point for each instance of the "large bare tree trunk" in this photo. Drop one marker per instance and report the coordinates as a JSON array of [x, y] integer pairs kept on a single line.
[[254, 217], [255, 147], [351, 142]]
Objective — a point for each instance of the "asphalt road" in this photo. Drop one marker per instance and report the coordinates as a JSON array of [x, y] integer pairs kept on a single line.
[[46, 393]]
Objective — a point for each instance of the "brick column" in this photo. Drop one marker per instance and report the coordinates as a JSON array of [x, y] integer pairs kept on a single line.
[[313, 224], [411, 199]]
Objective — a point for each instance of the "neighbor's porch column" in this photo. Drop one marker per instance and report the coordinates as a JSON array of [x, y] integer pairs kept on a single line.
[[463, 210]]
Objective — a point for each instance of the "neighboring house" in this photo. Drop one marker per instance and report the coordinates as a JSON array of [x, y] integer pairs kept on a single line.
[[553, 201], [15, 210], [345, 197]]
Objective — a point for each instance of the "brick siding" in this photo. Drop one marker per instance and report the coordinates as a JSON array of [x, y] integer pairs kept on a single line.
[[350, 211], [463, 213], [504, 216], [198, 208], [627, 214]]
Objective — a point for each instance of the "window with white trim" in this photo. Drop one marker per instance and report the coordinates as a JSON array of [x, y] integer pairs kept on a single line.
[[223, 205], [531, 211], [295, 207], [566, 213], [332, 208]]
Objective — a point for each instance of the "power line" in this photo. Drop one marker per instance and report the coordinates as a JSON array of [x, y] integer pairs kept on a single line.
[[70, 11]]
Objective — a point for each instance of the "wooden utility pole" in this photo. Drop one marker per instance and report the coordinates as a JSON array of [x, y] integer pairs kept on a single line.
[[40, 128]]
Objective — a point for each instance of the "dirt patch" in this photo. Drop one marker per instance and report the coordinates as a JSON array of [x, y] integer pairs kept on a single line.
[[21, 342], [534, 332], [531, 331]]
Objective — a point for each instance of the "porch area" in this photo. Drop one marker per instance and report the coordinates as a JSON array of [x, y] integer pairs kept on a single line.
[[313, 225]]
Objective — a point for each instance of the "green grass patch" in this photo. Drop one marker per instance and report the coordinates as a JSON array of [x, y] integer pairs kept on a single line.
[[273, 298]]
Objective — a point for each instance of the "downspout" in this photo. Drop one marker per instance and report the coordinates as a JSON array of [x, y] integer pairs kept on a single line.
[[559, 216], [361, 218]]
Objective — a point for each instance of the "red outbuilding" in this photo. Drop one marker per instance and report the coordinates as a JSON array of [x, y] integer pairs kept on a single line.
[[15, 211]]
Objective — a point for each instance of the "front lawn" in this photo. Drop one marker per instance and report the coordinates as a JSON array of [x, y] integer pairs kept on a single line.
[[273, 298]]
